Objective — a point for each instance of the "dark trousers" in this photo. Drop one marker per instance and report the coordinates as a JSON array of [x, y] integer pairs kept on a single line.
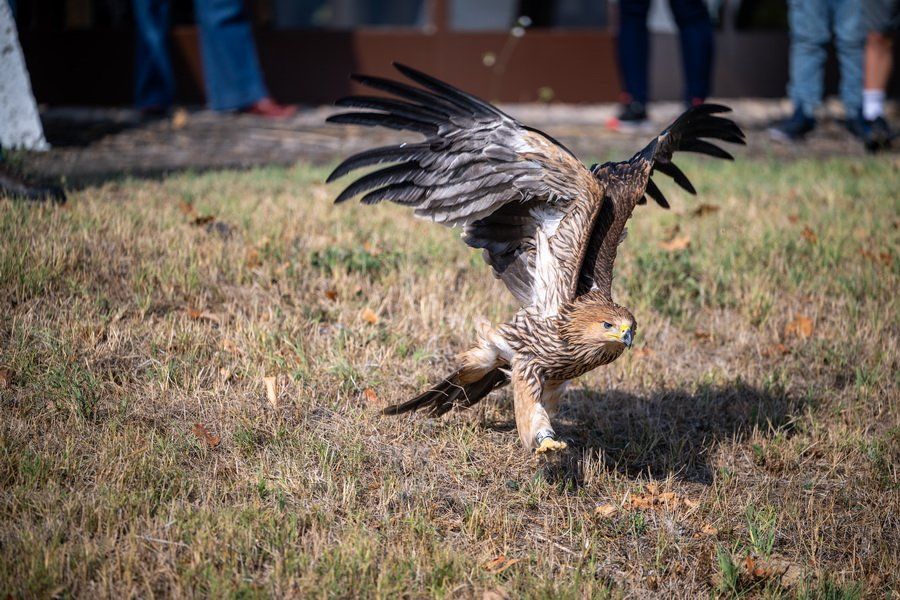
[[695, 29], [231, 71]]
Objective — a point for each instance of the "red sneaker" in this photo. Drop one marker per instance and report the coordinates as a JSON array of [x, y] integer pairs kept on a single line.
[[266, 107]]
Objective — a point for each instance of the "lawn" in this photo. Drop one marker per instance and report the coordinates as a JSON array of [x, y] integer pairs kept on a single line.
[[191, 371]]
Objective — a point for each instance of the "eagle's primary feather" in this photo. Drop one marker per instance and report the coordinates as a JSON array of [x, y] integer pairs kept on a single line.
[[548, 226]]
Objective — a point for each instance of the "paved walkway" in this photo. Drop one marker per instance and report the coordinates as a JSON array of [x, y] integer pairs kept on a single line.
[[92, 145]]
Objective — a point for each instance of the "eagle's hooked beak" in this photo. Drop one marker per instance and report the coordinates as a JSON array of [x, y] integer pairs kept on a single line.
[[627, 336]]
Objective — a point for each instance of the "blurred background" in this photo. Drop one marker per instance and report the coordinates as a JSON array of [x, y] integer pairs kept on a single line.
[[82, 51]]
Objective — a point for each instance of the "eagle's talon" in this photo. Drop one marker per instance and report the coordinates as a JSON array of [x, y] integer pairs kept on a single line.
[[550, 444]]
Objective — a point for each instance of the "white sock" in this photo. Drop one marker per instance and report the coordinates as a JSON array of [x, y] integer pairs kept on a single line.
[[873, 104]]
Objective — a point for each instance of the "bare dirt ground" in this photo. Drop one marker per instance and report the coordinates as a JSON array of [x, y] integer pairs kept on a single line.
[[191, 369], [94, 145]]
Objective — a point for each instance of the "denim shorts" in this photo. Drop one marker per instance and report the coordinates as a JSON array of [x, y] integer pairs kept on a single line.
[[882, 16]]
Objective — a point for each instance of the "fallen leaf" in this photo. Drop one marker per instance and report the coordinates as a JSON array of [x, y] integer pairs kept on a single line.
[[331, 294], [809, 235], [225, 374], [605, 510], [252, 258], [708, 529], [187, 208], [197, 315], [203, 220], [497, 565], [676, 244], [756, 568], [705, 209], [702, 335], [801, 327], [778, 349], [205, 436], [653, 488], [884, 258], [368, 315], [179, 118], [370, 395], [270, 391], [793, 218], [642, 352], [5, 378], [691, 504]]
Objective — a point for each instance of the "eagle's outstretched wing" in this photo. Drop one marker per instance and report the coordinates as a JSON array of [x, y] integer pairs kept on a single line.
[[626, 184], [508, 185]]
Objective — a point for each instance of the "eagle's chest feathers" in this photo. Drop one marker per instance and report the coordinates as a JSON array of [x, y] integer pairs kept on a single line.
[[574, 361]]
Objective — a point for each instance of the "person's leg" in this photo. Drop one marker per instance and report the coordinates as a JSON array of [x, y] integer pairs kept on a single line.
[[879, 62], [695, 29], [154, 82], [850, 39], [231, 70], [809, 35], [634, 48]]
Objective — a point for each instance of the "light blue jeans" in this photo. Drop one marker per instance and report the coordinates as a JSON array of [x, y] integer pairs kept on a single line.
[[230, 68], [812, 23]]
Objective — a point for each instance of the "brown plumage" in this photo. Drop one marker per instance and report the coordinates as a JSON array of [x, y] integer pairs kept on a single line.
[[548, 227]]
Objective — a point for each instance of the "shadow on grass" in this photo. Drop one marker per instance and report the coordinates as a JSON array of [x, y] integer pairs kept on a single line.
[[669, 431]]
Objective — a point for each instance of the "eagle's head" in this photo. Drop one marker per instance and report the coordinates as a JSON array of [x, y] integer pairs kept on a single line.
[[594, 320]]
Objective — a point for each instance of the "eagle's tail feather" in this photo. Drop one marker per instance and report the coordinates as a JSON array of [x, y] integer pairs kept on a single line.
[[450, 393]]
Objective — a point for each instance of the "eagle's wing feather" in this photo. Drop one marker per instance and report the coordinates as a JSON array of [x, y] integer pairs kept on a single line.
[[627, 183], [478, 168]]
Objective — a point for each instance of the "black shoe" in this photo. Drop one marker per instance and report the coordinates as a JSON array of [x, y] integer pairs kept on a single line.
[[859, 127], [879, 135], [633, 116], [793, 129]]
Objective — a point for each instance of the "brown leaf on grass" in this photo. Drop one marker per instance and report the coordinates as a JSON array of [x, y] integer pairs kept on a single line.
[[205, 436], [655, 499], [252, 258], [801, 327], [676, 244], [702, 335], [793, 218], [203, 220], [331, 294], [605, 510], [187, 208], [884, 258], [642, 352], [5, 378], [368, 315], [370, 395], [497, 565], [708, 529], [270, 391], [705, 209], [775, 350], [198, 315], [757, 569], [809, 235]]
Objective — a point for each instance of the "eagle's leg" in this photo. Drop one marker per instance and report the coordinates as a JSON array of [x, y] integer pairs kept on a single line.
[[532, 419]]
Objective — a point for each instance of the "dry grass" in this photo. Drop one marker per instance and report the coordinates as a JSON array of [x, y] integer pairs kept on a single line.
[[728, 453]]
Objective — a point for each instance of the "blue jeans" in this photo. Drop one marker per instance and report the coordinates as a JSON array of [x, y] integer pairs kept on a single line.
[[812, 23], [231, 71], [695, 29]]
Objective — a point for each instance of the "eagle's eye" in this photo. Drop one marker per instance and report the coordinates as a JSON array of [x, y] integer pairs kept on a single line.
[[607, 325]]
